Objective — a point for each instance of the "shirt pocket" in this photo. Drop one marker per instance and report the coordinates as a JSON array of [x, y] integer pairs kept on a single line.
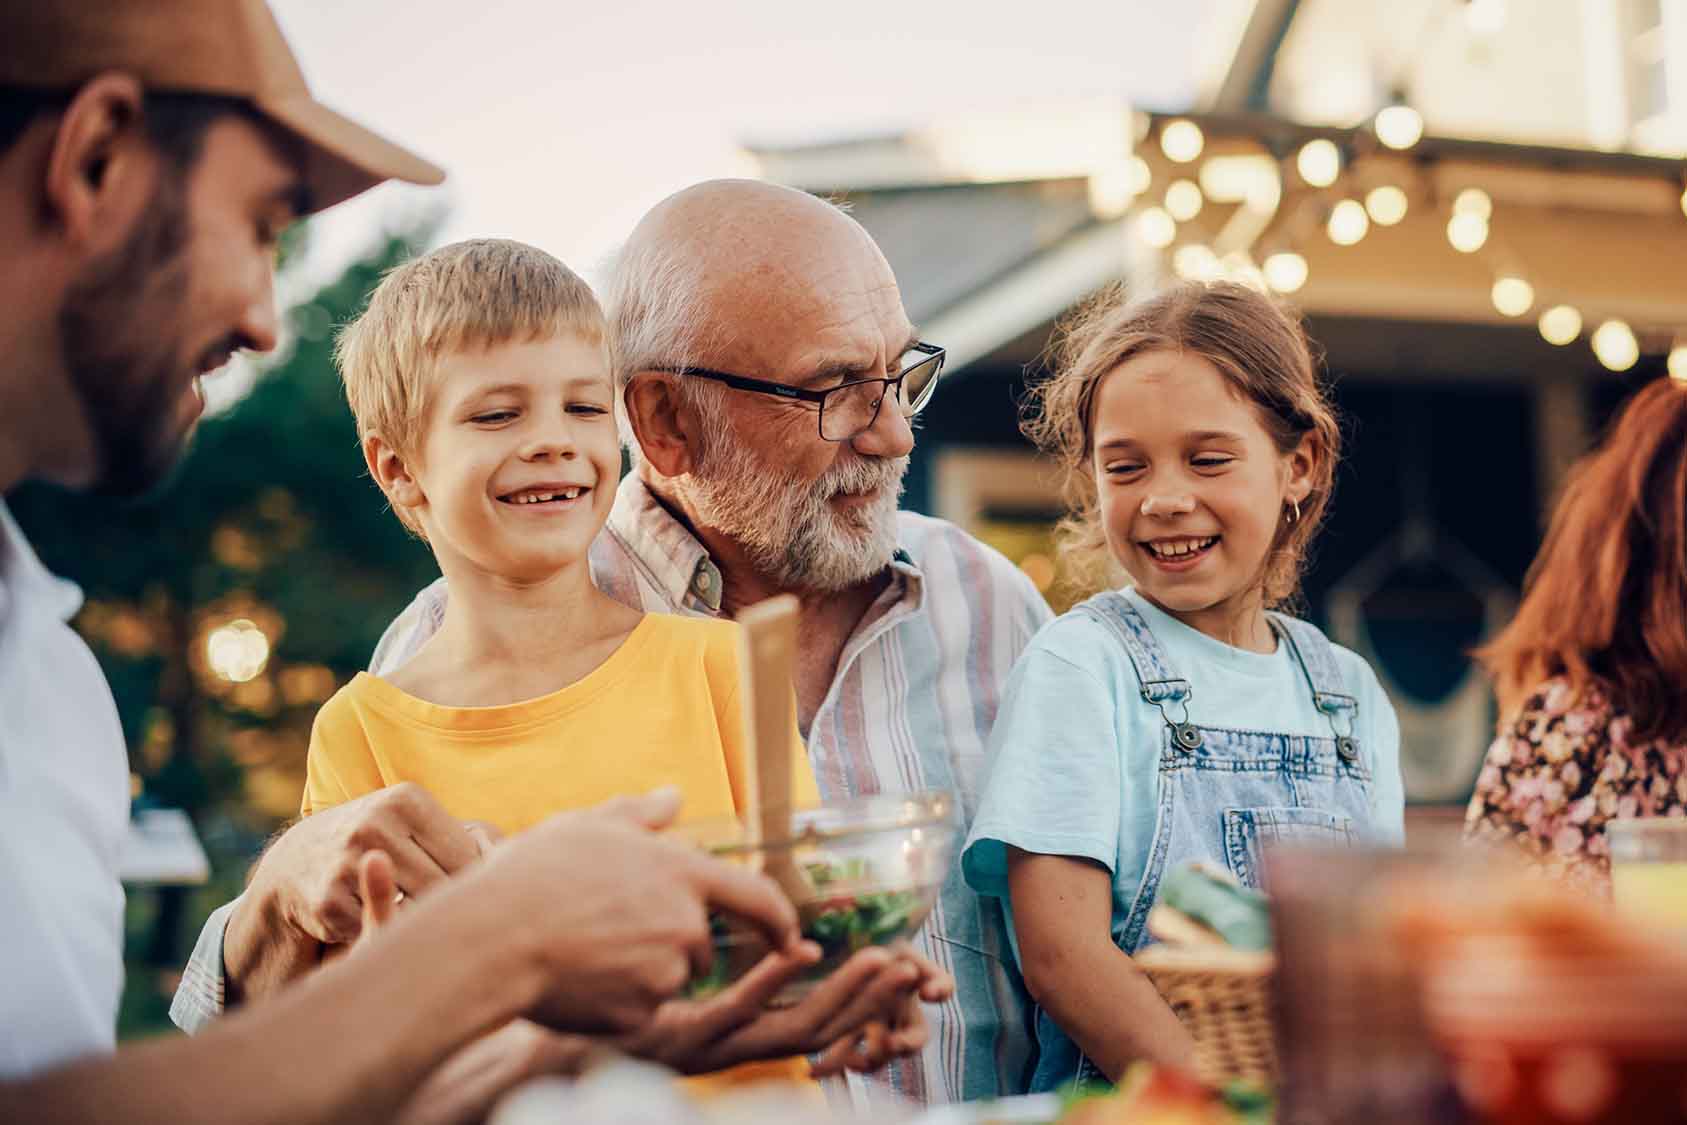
[[1247, 832]]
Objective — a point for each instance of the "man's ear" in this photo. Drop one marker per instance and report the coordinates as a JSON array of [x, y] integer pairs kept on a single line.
[[101, 170], [664, 426], [393, 474]]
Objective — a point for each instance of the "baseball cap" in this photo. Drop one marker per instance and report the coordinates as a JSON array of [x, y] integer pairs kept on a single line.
[[232, 48]]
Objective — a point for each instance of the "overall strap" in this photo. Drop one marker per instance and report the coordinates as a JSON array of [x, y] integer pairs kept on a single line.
[[1317, 659], [1160, 682]]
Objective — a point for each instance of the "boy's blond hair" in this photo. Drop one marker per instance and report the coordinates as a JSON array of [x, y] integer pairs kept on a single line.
[[467, 296]]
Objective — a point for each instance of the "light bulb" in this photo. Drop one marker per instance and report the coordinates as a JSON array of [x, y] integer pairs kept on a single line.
[[1513, 296], [1474, 201], [1141, 175], [1467, 232], [1678, 363], [1348, 223], [1399, 126], [1157, 228], [1319, 162], [1560, 325], [1615, 346], [1285, 271], [1387, 205], [1195, 262], [1181, 141], [1183, 200]]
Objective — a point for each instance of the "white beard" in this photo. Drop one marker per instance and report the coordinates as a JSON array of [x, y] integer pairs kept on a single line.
[[789, 529]]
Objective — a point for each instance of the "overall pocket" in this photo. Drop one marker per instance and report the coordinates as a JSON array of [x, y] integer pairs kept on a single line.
[[1248, 831]]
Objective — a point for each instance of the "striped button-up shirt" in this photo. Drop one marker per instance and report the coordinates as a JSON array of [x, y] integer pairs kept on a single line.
[[910, 708]]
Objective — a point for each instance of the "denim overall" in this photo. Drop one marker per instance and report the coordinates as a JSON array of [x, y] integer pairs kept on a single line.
[[1223, 794]]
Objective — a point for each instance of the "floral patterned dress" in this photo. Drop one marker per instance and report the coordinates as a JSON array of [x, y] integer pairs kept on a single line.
[[1562, 768]]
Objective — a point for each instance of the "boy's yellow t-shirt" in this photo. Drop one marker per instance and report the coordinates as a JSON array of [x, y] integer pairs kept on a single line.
[[664, 709]]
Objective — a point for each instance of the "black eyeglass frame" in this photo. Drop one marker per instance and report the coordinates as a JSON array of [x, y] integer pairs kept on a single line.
[[930, 352]]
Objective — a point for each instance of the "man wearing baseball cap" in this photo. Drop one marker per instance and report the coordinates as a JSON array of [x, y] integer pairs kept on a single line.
[[151, 153]]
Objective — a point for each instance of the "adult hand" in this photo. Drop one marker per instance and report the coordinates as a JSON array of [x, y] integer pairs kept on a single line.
[[615, 916], [862, 1016], [902, 1032], [304, 894], [465, 1086]]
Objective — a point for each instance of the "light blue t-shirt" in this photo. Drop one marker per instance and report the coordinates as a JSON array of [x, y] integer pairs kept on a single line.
[[1074, 756]]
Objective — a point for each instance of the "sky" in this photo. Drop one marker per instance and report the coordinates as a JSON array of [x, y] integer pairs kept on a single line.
[[561, 123]]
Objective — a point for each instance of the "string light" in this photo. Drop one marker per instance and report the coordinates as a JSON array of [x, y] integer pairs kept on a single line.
[[1684, 201], [1474, 201], [1386, 204], [1348, 223], [1468, 232], [1615, 346], [1196, 262], [1141, 175], [1183, 200], [1181, 141], [1319, 162], [1560, 325], [1156, 227], [1678, 363], [1399, 126], [237, 651], [1111, 191], [1513, 296], [1285, 271]]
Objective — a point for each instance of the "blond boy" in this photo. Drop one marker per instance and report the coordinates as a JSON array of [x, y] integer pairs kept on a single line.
[[480, 377]]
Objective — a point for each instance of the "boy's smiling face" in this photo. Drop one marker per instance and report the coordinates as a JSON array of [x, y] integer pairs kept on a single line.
[[518, 460]]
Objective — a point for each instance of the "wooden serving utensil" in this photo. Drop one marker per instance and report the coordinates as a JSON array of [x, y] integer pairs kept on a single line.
[[767, 649]]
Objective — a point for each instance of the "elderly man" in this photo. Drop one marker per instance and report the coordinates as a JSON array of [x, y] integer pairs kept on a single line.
[[769, 374], [150, 156]]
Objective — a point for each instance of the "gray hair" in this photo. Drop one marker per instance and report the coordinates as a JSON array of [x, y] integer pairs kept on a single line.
[[655, 323]]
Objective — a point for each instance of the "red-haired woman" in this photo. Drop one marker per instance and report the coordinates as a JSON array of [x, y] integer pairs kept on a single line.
[[1592, 673]]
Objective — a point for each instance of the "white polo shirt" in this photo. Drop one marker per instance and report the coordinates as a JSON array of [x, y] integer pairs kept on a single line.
[[64, 799]]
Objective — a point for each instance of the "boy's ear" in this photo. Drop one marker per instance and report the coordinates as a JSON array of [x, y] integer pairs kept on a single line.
[[663, 425], [1303, 463], [100, 170], [392, 473]]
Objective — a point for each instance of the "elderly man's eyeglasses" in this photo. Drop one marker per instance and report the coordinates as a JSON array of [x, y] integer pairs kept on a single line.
[[850, 408]]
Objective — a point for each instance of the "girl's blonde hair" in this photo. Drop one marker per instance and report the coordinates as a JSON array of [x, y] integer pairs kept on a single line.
[[1259, 347]]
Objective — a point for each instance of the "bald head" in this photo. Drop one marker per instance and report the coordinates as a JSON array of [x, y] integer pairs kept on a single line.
[[711, 266]]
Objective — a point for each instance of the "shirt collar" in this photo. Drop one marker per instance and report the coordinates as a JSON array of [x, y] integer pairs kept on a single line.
[[25, 581], [676, 560], [680, 563]]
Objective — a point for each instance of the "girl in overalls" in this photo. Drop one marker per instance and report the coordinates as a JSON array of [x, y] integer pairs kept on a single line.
[[1178, 718]]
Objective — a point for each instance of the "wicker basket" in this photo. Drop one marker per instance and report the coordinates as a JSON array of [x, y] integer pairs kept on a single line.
[[1224, 997]]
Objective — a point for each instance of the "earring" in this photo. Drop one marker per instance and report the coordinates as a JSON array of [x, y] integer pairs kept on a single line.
[[1294, 514]]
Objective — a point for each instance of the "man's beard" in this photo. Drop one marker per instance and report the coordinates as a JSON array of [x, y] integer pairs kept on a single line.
[[789, 529], [130, 391]]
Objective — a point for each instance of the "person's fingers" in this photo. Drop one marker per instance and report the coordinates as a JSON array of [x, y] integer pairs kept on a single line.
[[872, 1048], [875, 1001], [756, 988], [834, 1060], [911, 1031], [754, 898], [377, 889], [414, 870], [819, 1009], [486, 836], [436, 832]]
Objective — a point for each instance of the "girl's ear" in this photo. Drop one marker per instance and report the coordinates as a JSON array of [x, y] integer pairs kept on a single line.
[[1302, 462], [392, 474]]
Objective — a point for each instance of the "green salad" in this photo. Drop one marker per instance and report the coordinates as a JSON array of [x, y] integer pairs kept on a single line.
[[840, 922]]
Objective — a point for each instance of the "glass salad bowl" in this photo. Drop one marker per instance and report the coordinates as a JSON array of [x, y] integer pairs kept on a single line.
[[870, 869]]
